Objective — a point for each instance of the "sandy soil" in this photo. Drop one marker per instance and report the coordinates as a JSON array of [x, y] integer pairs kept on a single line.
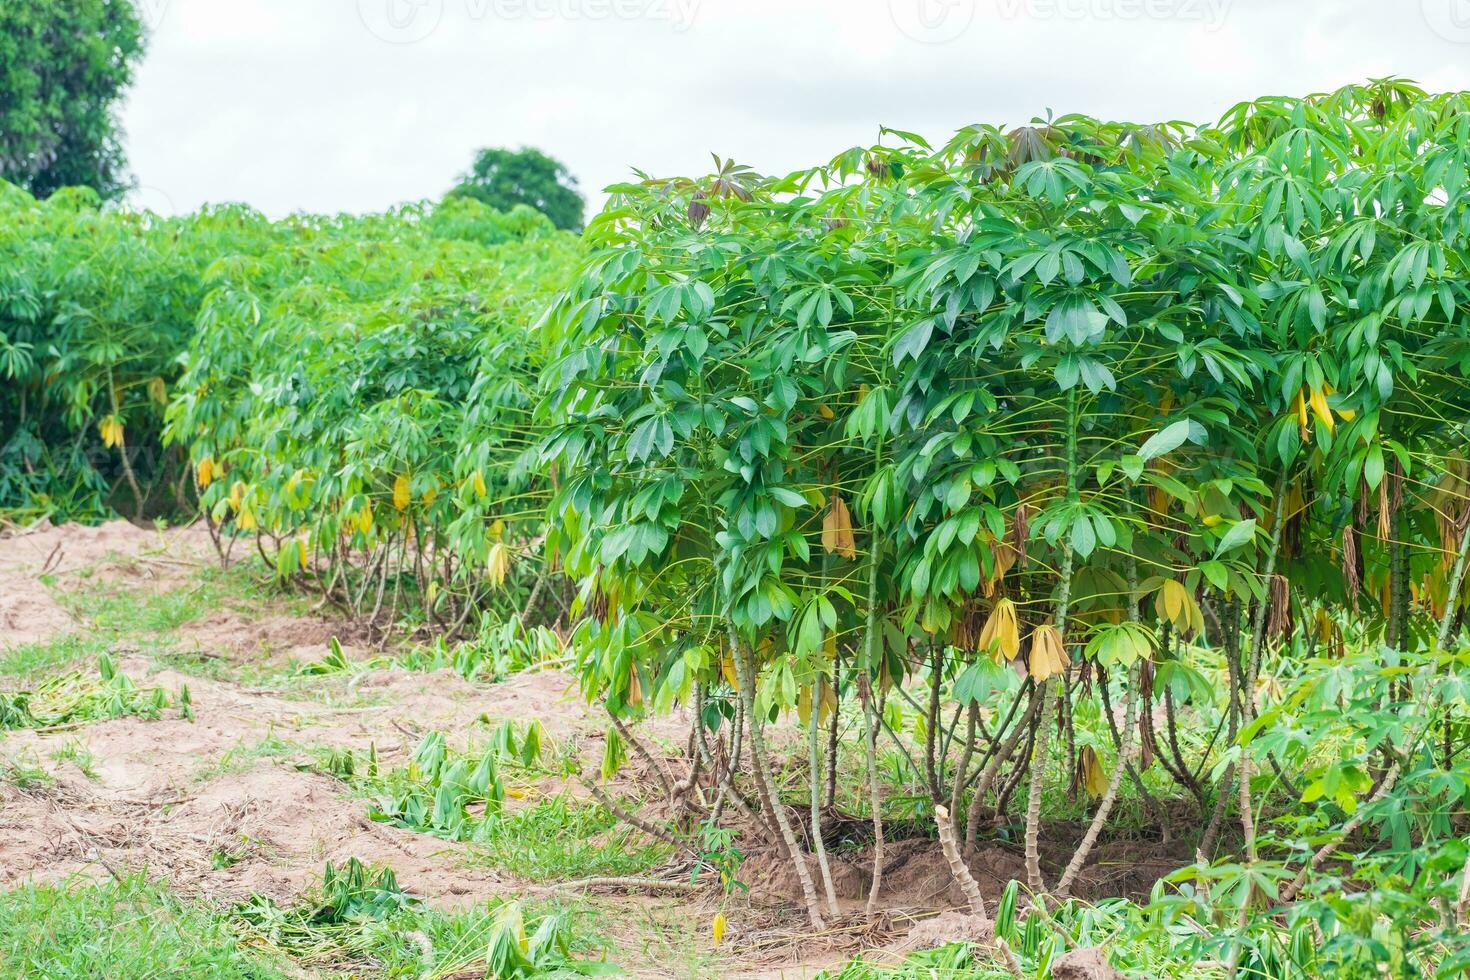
[[172, 795], [145, 803]]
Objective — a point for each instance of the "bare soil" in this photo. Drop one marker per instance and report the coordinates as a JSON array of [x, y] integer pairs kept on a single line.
[[192, 804]]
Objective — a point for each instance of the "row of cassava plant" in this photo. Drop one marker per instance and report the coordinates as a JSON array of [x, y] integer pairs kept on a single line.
[[350, 395], [95, 307], [1078, 398], [357, 406]]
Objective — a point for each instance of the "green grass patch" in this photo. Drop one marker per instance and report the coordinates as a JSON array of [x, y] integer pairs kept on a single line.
[[29, 662], [560, 839], [469, 797], [117, 930]]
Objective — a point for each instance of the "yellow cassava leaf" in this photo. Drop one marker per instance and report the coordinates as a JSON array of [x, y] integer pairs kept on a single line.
[[1094, 777], [717, 928], [479, 482], [497, 563], [1001, 636], [1317, 400], [402, 491], [1004, 555], [635, 686], [205, 471], [158, 391], [827, 703], [1174, 603], [837, 536], [1047, 657], [111, 431]]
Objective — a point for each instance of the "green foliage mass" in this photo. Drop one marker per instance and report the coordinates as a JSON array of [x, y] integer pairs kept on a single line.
[[1082, 397], [312, 360], [63, 66], [365, 391], [504, 179]]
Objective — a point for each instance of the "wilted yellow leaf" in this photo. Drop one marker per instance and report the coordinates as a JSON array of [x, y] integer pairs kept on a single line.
[[727, 667], [827, 703], [1174, 603], [635, 686], [205, 471], [402, 492], [1001, 635], [1094, 777], [1047, 657], [1318, 402], [111, 431], [479, 481], [837, 537], [497, 564], [717, 928], [1004, 555]]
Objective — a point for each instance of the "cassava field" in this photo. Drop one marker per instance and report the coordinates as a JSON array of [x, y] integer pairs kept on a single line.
[[1035, 554]]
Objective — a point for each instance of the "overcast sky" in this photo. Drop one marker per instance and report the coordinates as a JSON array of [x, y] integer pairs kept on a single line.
[[328, 105]]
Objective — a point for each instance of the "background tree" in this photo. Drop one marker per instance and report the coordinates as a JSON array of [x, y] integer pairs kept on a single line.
[[62, 67], [504, 178]]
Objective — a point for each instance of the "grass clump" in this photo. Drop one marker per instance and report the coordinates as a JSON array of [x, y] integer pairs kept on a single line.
[[123, 930], [483, 797], [497, 651], [30, 661]]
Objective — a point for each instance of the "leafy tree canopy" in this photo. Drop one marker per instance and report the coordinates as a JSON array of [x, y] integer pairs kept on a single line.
[[505, 178], [63, 65]]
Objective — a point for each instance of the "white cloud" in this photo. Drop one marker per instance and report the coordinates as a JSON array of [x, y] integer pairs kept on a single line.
[[302, 104]]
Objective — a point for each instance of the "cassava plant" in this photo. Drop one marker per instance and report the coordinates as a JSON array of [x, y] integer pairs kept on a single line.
[[1078, 420]]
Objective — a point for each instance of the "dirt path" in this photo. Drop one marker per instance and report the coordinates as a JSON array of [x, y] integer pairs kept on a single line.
[[226, 805], [174, 794], [234, 801]]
